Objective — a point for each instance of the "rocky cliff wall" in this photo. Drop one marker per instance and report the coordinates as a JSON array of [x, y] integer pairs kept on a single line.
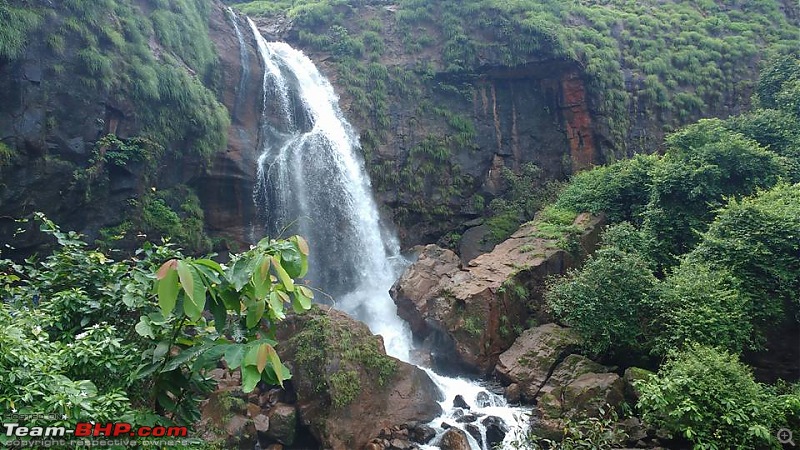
[[54, 111]]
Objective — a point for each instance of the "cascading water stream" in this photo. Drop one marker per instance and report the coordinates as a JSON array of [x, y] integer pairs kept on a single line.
[[312, 182]]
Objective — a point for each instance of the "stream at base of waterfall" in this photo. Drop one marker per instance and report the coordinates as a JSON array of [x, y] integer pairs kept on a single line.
[[312, 181]]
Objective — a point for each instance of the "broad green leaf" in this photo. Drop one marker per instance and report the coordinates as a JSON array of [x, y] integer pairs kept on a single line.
[[195, 302], [300, 302], [181, 358], [250, 378], [168, 291], [187, 281], [255, 312], [302, 245], [261, 357], [275, 362], [251, 357], [143, 328], [306, 291], [234, 355], [208, 274], [220, 314], [261, 281], [292, 261], [208, 358], [160, 351], [211, 264], [276, 304], [286, 280], [238, 274]]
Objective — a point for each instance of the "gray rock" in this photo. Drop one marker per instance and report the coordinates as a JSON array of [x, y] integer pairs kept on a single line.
[[534, 355], [496, 430], [282, 423]]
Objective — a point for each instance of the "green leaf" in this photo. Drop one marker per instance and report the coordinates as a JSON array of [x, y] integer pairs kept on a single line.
[[276, 305], [143, 328], [220, 314], [286, 280], [255, 312], [275, 362], [234, 355], [211, 264], [181, 358], [238, 274], [261, 281], [168, 291], [250, 378], [261, 357], [160, 351], [208, 358], [195, 290]]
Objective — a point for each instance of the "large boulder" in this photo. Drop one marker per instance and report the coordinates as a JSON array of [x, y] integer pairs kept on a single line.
[[534, 356], [347, 388], [469, 315], [454, 439], [587, 395]]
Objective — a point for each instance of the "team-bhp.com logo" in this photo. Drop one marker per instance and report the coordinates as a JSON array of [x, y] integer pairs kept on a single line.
[[88, 429]]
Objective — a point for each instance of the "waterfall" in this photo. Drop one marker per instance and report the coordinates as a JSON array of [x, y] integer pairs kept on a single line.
[[244, 56], [311, 181]]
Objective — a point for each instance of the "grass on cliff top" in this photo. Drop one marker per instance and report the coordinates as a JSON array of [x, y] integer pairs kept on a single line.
[[170, 87]]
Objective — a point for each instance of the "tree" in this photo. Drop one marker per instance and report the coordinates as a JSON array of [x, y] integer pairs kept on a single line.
[[757, 240], [710, 398], [609, 302], [705, 164], [133, 337]]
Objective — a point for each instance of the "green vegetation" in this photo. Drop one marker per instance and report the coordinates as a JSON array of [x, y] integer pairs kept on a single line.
[[97, 339], [700, 266], [175, 213], [170, 85], [709, 398]]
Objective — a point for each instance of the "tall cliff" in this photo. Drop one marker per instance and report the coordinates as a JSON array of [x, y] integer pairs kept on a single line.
[[128, 118]]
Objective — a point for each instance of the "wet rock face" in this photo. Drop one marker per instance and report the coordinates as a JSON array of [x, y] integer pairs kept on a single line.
[[533, 357], [347, 388], [53, 122], [469, 314], [226, 187]]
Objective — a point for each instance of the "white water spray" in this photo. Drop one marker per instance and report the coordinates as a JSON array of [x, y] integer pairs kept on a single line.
[[312, 181]]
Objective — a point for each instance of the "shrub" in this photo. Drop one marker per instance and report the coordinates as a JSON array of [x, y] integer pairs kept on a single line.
[[705, 164], [620, 190], [702, 305], [610, 302], [710, 398], [756, 239]]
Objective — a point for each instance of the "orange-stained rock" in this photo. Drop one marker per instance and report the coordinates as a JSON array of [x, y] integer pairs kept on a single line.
[[470, 315]]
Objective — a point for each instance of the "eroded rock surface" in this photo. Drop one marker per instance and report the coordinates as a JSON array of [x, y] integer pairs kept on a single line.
[[470, 314]]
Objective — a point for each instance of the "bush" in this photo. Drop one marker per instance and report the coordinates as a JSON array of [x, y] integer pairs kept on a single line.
[[710, 398], [620, 190], [758, 240], [610, 302], [705, 164], [702, 305]]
